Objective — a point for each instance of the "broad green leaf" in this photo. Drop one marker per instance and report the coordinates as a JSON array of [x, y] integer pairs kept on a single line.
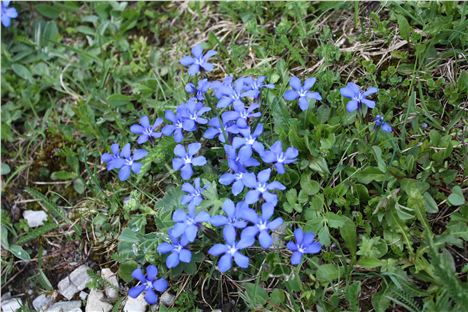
[[79, 185], [126, 269], [456, 198], [22, 72], [118, 100], [349, 235], [19, 252], [378, 157], [254, 295], [329, 272], [62, 175], [50, 11], [430, 204], [309, 186], [405, 28]]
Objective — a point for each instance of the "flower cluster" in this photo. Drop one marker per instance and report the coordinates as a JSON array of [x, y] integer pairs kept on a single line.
[[253, 166], [7, 13]]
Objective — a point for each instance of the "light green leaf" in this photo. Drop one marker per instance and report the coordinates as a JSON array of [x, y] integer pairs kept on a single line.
[[456, 198]]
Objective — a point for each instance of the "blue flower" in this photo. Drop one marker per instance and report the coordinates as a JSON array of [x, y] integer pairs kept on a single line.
[[187, 224], [145, 130], [357, 96], [194, 110], [241, 115], [8, 13], [232, 217], [260, 187], [107, 157], [198, 61], [231, 94], [200, 90], [237, 164], [380, 123], [302, 92], [277, 156], [247, 142], [127, 162], [231, 250], [178, 251], [148, 283], [261, 224], [253, 86], [304, 245], [214, 130], [194, 194], [179, 123], [218, 86], [185, 159]]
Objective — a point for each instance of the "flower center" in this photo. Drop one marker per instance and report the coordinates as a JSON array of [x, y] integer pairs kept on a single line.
[[261, 187], [232, 250], [179, 124], [129, 162], [199, 61], [149, 284], [281, 158], [244, 114], [178, 248], [300, 249], [188, 159], [302, 92], [193, 116], [250, 140], [239, 175], [262, 225], [149, 130], [190, 221]]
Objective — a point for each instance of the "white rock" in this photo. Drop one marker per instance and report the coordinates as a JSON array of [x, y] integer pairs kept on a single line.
[[11, 305], [96, 302], [75, 282], [109, 276], [42, 302], [35, 218], [167, 299], [135, 305], [66, 306], [83, 295]]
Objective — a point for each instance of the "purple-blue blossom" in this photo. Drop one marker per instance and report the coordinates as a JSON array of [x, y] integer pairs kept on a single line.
[[194, 110], [187, 224], [8, 13], [185, 159], [247, 142], [198, 61], [148, 284], [179, 123], [254, 86], [380, 123], [235, 163], [231, 249], [198, 91], [231, 94], [128, 162], [278, 157], [302, 92], [304, 244], [108, 157], [214, 129], [194, 193], [145, 130], [232, 217], [261, 224], [177, 249], [241, 115], [261, 188], [358, 97]]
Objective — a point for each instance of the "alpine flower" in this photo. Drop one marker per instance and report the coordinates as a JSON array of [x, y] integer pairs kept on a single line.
[[108, 157], [194, 194], [178, 251], [278, 157], [302, 92], [8, 13], [193, 110], [200, 90], [145, 130], [254, 86], [232, 217], [231, 94], [187, 224], [179, 123], [261, 224], [214, 130], [198, 61], [380, 123], [357, 96], [241, 115], [304, 244], [231, 250], [260, 187], [148, 283], [248, 142], [127, 163], [185, 159]]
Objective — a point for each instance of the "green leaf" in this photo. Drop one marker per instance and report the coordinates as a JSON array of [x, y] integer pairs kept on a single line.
[[19, 252], [254, 295], [378, 157], [335, 221], [348, 233], [329, 272], [371, 174], [277, 296], [319, 165], [430, 204], [79, 185], [309, 186], [22, 72], [38, 232], [405, 28], [456, 198], [126, 269], [5, 169], [118, 100], [62, 175], [47, 10]]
